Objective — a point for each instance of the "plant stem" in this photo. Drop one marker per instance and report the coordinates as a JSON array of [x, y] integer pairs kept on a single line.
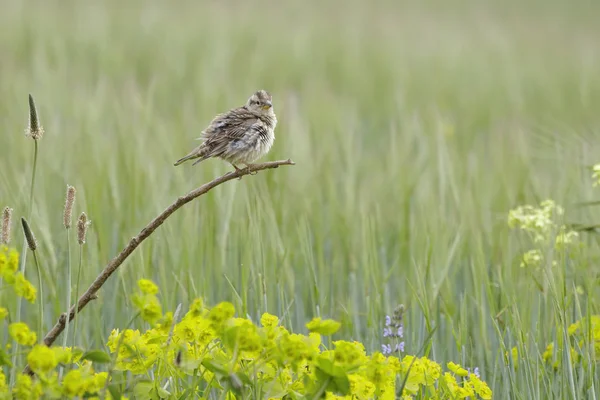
[[41, 296], [35, 156], [68, 303], [23, 256], [77, 293]]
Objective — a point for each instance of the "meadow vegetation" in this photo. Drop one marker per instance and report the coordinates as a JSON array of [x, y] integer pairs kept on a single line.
[[443, 152]]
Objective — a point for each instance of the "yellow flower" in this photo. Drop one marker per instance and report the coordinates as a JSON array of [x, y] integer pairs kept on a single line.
[[21, 334], [451, 384], [221, 313], [165, 323], [296, 348], [382, 374], [269, 321], [99, 380], [41, 359], [533, 258], [324, 327], [480, 387], [149, 307], [3, 313], [73, 384], [360, 387], [196, 308], [63, 355], [24, 388], [24, 288], [514, 355], [147, 286], [433, 370], [537, 221], [457, 369], [573, 328], [348, 353], [565, 238], [548, 352], [9, 264], [245, 335], [3, 385]]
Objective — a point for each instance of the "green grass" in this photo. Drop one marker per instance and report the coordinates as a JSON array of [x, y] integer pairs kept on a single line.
[[415, 127]]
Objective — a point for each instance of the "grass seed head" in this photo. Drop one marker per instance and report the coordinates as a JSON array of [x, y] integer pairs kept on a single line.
[[29, 237], [70, 200], [82, 226], [35, 129], [6, 222]]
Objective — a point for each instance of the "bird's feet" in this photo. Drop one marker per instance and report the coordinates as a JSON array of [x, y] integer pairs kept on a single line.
[[237, 170], [248, 166]]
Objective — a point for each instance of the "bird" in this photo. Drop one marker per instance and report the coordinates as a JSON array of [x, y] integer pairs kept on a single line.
[[241, 135]]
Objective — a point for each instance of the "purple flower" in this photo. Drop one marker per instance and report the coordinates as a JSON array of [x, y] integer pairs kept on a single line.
[[387, 332], [476, 372], [400, 331], [386, 349], [388, 320], [400, 347]]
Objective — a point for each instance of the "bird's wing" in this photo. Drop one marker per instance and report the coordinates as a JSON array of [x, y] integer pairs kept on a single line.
[[229, 126], [236, 126]]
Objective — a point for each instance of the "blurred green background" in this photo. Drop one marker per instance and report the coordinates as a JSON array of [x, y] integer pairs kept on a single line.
[[416, 126]]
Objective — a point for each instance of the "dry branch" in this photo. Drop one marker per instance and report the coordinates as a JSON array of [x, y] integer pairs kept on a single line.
[[90, 293]]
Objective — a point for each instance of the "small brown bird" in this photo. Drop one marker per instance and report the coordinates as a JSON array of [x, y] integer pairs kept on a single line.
[[241, 135]]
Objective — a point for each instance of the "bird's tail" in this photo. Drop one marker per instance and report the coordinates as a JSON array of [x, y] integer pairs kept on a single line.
[[201, 154], [184, 159]]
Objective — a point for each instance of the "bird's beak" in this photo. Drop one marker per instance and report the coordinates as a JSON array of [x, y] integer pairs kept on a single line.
[[267, 105]]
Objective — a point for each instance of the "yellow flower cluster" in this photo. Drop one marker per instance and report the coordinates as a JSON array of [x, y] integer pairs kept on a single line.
[[580, 334], [230, 357], [9, 271], [236, 355], [81, 380], [537, 221], [541, 224]]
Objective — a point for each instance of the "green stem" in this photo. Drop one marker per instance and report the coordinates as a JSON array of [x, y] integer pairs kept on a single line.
[[40, 298], [35, 156], [68, 302], [77, 293], [24, 259]]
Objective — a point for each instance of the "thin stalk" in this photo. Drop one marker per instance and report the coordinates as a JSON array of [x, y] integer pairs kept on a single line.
[[68, 304], [40, 301], [23, 256], [35, 156], [77, 293]]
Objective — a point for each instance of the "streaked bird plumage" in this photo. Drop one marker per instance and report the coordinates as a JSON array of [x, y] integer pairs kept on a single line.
[[241, 135]]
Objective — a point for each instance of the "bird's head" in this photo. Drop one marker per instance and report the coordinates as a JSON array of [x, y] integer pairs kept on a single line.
[[260, 103]]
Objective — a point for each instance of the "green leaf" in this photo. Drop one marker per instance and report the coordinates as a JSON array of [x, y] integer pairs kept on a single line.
[[338, 379], [97, 356], [214, 366], [325, 327], [162, 393], [156, 340], [342, 384], [329, 368], [114, 391], [142, 390], [185, 394]]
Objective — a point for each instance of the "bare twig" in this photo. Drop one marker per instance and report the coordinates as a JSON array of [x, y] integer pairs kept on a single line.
[[90, 293]]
